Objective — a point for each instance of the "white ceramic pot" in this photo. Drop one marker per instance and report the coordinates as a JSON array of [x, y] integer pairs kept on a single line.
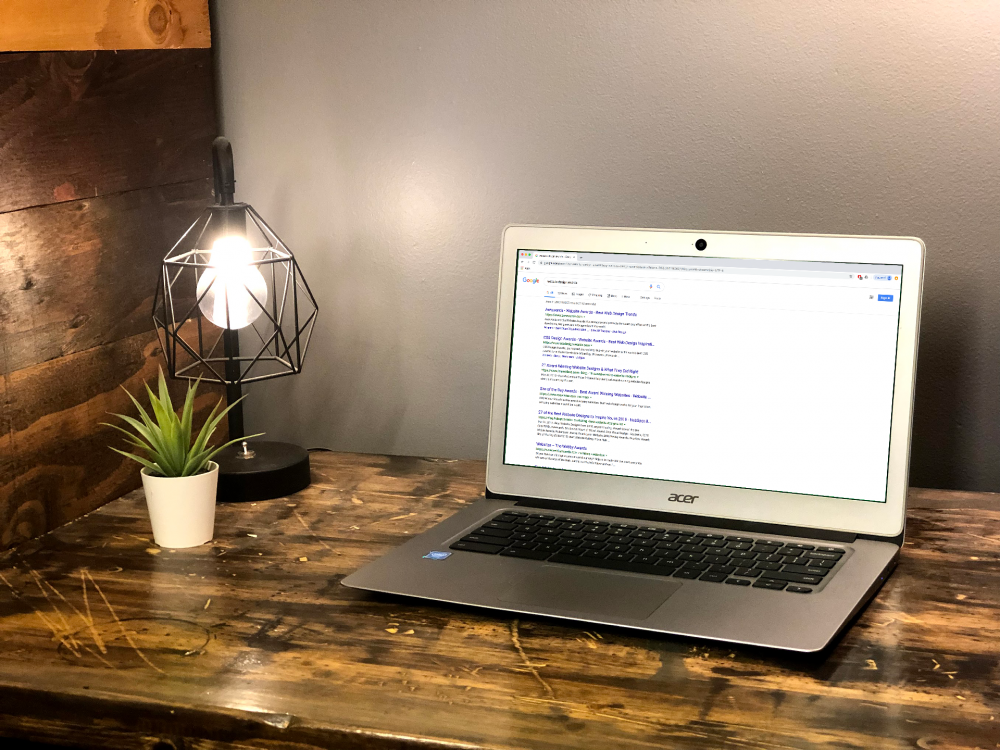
[[182, 509]]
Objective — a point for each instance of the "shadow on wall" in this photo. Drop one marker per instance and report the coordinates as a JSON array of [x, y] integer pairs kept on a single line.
[[935, 458]]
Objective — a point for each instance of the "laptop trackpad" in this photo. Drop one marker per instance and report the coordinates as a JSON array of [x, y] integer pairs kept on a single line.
[[589, 591]]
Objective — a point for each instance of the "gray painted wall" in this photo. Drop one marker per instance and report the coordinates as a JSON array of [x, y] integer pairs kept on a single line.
[[390, 142]]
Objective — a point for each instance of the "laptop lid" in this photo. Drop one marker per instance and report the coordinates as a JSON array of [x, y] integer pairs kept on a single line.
[[757, 377]]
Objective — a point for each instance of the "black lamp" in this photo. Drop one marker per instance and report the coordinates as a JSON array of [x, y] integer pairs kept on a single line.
[[232, 306]]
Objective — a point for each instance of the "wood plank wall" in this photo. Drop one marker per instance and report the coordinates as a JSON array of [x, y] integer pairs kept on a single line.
[[105, 158]]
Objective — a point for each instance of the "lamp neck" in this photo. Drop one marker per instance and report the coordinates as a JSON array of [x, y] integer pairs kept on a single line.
[[231, 342], [225, 173]]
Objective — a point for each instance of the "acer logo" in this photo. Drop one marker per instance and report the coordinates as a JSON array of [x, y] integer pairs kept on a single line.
[[675, 498]]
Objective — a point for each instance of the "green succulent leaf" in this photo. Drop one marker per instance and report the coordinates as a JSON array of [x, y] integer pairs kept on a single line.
[[133, 441], [148, 464], [142, 412], [151, 436], [165, 393], [187, 412], [206, 431], [169, 425]]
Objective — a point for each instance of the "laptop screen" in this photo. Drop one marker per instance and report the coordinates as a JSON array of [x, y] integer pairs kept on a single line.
[[757, 374]]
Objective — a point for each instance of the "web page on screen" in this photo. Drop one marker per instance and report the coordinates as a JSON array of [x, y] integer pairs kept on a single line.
[[760, 374]]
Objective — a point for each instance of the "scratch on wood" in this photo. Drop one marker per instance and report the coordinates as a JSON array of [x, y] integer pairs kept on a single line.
[[312, 533], [64, 636], [100, 658], [39, 582], [87, 619], [64, 639], [585, 709], [56, 634], [121, 626], [9, 585], [515, 638]]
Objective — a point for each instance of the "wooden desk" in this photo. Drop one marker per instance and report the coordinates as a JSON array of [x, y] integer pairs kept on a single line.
[[108, 641]]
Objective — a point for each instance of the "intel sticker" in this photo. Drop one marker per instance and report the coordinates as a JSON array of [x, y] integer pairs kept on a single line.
[[435, 555]]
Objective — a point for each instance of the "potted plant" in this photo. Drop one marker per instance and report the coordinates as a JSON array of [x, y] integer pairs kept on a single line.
[[178, 474]]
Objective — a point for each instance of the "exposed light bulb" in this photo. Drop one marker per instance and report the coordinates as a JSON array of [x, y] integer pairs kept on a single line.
[[231, 277]]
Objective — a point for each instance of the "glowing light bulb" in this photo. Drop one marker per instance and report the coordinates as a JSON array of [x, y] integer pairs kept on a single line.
[[229, 281]]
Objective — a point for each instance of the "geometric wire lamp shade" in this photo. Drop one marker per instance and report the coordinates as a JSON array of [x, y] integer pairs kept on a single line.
[[218, 279], [231, 305]]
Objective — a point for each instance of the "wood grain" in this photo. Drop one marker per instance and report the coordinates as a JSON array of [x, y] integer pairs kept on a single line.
[[105, 160], [57, 464], [78, 275], [251, 642], [84, 124], [103, 24]]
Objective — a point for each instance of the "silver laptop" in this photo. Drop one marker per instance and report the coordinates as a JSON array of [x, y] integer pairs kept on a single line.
[[699, 434]]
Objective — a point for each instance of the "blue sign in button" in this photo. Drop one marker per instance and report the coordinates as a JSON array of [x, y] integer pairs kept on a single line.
[[885, 298]]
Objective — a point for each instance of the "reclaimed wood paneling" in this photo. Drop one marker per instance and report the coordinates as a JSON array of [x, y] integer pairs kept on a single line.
[[85, 124], [251, 642], [103, 24], [105, 158], [81, 274]]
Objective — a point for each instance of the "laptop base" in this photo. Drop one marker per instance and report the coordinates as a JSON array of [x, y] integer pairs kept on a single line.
[[426, 567]]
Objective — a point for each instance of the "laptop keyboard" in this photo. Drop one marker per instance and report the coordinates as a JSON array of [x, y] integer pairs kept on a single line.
[[762, 563]]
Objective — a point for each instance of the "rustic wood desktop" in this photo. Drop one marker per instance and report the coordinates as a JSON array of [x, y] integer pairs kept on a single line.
[[251, 642]]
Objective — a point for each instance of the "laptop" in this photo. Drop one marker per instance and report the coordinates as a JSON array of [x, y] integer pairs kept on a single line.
[[700, 434]]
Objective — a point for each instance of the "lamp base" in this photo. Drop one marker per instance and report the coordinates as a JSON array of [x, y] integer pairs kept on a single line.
[[267, 471]]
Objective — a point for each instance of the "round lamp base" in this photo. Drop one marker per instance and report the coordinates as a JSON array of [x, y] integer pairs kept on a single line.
[[268, 470]]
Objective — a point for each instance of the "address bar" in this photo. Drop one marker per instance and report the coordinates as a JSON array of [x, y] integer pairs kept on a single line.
[[632, 266], [606, 284]]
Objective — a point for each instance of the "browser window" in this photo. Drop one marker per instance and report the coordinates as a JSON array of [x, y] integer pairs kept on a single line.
[[758, 374]]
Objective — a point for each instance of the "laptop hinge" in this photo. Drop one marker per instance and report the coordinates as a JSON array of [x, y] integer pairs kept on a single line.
[[681, 518]]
